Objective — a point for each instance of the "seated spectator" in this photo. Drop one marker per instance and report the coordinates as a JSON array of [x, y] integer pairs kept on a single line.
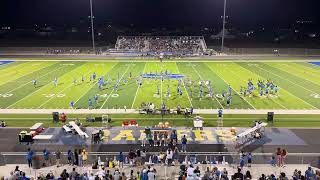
[[116, 175], [216, 172], [317, 174], [238, 175], [263, 177], [309, 174], [123, 176], [207, 174], [73, 174], [248, 175], [224, 174], [50, 175], [16, 169], [283, 176], [64, 175], [272, 177], [24, 177]]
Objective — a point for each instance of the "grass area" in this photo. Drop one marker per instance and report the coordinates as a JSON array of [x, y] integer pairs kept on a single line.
[[298, 82], [234, 120]]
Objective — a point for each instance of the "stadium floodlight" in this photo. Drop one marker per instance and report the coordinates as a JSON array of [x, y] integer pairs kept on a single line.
[[223, 24], [92, 29]]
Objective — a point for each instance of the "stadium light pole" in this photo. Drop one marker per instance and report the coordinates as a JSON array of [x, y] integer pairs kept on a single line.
[[223, 24], [92, 29]]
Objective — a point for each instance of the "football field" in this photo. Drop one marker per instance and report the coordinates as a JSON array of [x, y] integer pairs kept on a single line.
[[298, 84]]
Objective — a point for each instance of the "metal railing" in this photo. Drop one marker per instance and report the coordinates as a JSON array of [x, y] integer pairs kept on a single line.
[[211, 157]]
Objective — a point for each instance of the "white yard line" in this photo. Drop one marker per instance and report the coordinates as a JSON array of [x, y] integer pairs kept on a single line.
[[113, 88], [134, 99], [84, 93], [184, 87], [31, 81], [205, 84], [161, 84]]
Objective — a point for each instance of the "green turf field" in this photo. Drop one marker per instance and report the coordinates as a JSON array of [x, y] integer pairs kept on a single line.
[[298, 82], [229, 120]]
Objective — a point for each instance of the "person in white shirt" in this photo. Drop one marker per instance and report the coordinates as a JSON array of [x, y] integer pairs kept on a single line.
[[143, 139], [190, 170], [169, 156], [151, 174]]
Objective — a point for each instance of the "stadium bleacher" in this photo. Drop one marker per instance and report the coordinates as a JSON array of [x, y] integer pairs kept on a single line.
[[168, 45]]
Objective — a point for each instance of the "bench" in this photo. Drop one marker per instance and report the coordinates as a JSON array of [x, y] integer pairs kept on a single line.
[[36, 126]]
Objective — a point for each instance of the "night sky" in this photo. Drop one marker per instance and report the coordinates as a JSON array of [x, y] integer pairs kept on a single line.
[[158, 13]]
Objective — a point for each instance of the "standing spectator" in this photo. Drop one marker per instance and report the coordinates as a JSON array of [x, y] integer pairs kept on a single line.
[[143, 156], [161, 157], [149, 138], [169, 156], [242, 161], [176, 155], [190, 170], [155, 139], [76, 158], [58, 157], [144, 174], [184, 143], [278, 153], [143, 139], [249, 159], [80, 162], [138, 158], [120, 159], [84, 156], [272, 161], [131, 156], [174, 138], [46, 157], [29, 157], [152, 174], [70, 155], [283, 156], [193, 158]]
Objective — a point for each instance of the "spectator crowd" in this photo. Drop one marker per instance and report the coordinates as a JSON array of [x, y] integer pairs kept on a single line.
[[162, 44]]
